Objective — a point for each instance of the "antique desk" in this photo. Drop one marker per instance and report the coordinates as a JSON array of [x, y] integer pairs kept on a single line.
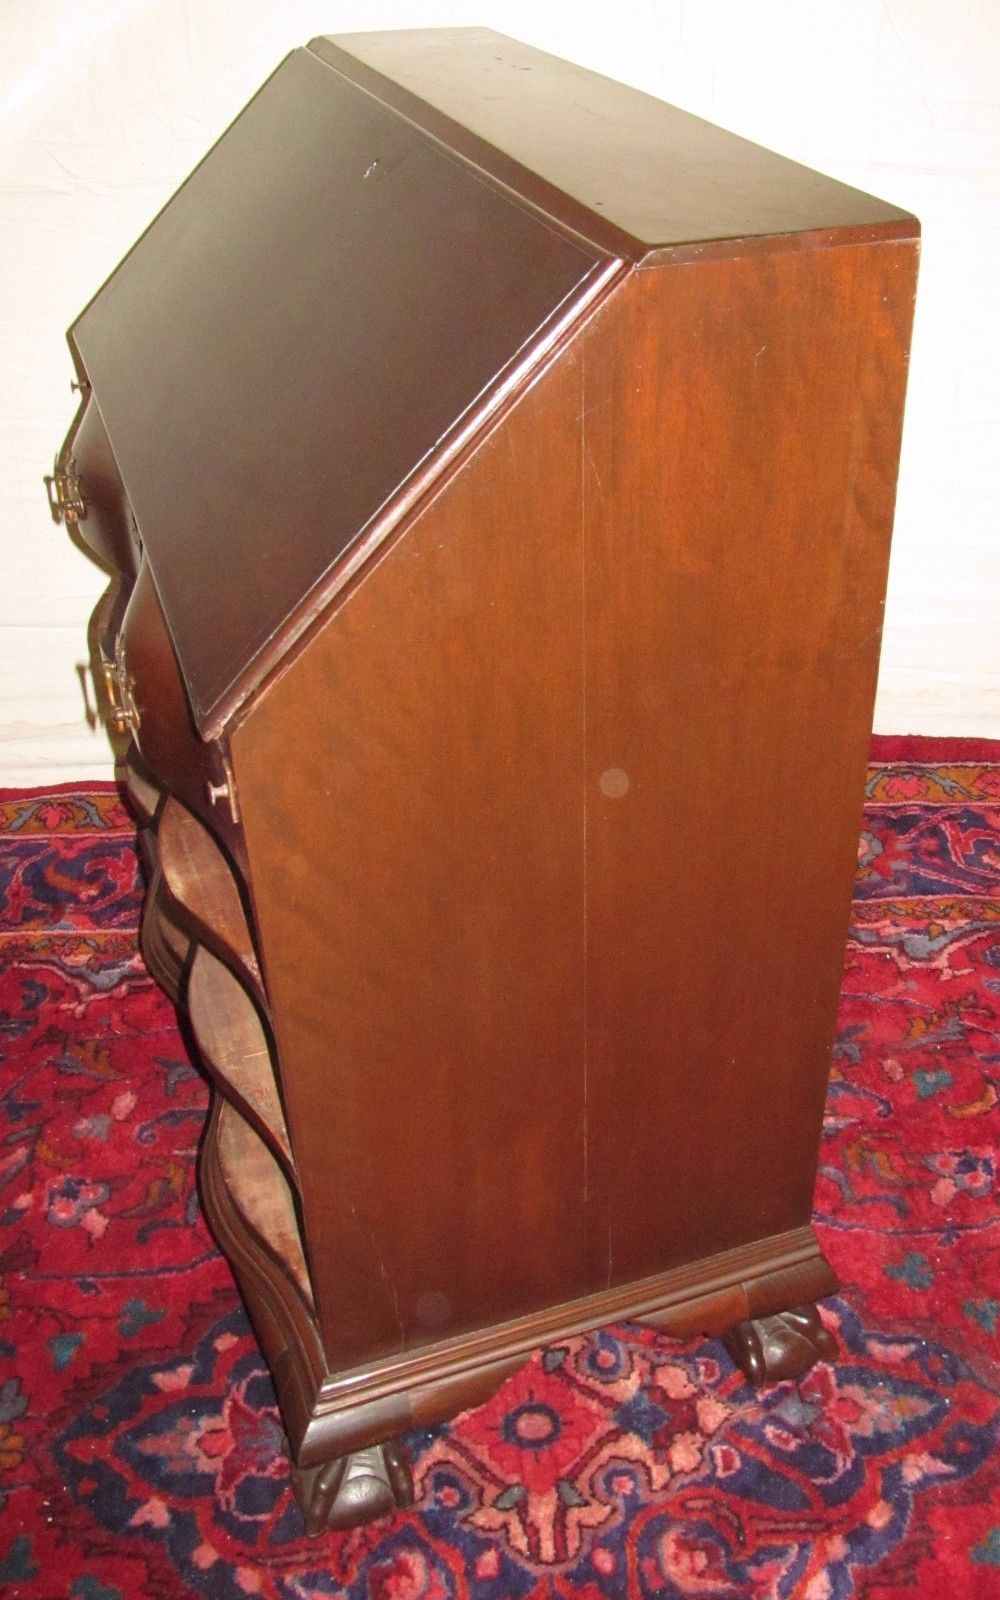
[[496, 470]]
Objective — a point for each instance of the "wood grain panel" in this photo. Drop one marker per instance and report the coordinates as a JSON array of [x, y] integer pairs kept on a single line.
[[412, 789], [742, 433]]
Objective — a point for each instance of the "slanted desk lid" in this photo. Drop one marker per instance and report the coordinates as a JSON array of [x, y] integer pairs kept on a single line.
[[301, 327]]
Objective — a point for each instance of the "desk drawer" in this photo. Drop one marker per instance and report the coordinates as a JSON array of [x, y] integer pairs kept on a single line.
[[86, 492], [149, 702]]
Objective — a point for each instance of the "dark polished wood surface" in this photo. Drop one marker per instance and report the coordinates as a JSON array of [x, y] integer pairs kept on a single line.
[[494, 570], [622, 166], [415, 284]]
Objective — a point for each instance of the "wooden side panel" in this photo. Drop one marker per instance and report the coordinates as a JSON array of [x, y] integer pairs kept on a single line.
[[742, 431], [553, 963], [412, 789]]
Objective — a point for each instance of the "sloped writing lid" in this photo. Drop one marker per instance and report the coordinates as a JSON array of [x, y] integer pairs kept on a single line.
[[309, 316]]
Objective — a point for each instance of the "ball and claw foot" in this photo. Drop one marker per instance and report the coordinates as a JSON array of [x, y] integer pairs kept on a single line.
[[770, 1349], [354, 1489]]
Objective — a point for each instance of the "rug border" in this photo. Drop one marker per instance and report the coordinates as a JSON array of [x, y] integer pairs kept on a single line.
[[919, 748], [67, 787]]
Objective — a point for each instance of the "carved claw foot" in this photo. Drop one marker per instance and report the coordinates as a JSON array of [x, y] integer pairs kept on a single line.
[[769, 1349], [354, 1489]]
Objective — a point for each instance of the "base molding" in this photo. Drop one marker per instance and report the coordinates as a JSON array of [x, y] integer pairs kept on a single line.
[[329, 1416], [752, 1280]]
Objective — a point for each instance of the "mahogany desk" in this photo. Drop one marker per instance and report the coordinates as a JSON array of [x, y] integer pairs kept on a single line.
[[496, 471]]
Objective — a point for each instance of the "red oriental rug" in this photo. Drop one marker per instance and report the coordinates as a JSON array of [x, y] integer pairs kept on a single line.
[[140, 1449]]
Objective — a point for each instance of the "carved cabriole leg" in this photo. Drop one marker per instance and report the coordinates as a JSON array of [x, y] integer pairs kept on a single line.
[[786, 1345], [354, 1489], [780, 1334]]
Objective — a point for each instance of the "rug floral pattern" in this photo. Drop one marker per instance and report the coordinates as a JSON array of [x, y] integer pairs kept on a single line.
[[140, 1448]]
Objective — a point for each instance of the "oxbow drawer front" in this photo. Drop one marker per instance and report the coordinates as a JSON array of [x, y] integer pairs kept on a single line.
[[147, 687], [86, 492]]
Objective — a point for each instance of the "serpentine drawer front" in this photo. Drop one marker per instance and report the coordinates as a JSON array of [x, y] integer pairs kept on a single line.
[[489, 460]]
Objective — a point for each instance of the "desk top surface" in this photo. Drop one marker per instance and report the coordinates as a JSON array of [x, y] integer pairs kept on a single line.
[[650, 175]]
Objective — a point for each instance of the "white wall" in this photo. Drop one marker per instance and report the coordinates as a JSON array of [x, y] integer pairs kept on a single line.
[[105, 107]]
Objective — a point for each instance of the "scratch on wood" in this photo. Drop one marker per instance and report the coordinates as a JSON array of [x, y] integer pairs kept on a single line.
[[384, 1273]]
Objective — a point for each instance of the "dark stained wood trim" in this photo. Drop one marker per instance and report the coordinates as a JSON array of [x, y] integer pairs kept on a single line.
[[903, 229], [705, 1297], [646, 1300]]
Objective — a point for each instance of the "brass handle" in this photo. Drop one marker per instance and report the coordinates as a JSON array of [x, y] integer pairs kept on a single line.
[[123, 713], [66, 501], [226, 790]]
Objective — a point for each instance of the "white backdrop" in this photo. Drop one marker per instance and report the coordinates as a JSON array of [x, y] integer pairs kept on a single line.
[[105, 105]]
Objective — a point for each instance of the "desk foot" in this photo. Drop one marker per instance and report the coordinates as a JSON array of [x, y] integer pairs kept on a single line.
[[354, 1489], [770, 1349]]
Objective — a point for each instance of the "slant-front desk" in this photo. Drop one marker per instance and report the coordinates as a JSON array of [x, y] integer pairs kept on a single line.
[[496, 468]]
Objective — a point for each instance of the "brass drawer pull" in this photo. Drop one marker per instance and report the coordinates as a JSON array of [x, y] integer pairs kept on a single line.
[[123, 713], [66, 501], [226, 790]]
